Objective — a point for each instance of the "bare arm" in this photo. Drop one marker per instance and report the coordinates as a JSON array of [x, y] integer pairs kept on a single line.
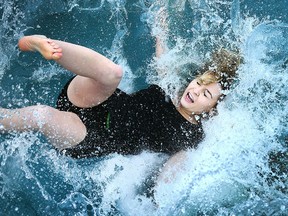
[[160, 47], [172, 167], [161, 38], [161, 20]]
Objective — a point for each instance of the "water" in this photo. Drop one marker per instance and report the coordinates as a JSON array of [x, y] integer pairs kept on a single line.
[[239, 169]]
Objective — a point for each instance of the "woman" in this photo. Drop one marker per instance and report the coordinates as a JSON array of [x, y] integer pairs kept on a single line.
[[94, 118]]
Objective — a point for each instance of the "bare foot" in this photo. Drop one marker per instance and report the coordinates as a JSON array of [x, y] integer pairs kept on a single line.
[[47, 47]]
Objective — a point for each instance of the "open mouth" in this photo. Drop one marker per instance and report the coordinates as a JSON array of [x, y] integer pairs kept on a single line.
[[189, 98]]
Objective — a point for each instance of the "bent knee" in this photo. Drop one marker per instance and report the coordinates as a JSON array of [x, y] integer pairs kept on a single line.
[[115, 75], [118, 71], [43, 114], [44, 110], [47, 116], [64, 129]]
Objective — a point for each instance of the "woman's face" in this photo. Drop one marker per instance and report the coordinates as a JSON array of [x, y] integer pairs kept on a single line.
[[198, 98]]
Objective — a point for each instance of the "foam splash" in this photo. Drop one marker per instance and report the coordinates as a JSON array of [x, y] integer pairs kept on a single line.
[[216, 173], [231, 171], [119, 14], [11, 28], [232, 164]]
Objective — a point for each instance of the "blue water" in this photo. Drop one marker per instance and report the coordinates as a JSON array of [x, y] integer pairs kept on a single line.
[[239, 169]]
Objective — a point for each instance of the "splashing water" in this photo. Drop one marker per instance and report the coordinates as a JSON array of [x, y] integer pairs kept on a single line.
[[239, 169]]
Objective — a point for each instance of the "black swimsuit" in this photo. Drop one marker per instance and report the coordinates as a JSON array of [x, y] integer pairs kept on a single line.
[[129, 124]]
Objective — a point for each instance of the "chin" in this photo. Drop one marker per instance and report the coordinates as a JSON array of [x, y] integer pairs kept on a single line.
[[183, 104]]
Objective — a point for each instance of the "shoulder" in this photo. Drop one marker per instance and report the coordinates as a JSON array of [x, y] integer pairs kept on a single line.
[[155, 87], [150, 90], [153, 95]]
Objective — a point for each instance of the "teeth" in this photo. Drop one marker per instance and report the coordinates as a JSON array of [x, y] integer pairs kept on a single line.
[[190, 97]]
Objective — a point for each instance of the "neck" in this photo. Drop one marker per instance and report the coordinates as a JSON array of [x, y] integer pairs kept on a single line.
[[189, 117]]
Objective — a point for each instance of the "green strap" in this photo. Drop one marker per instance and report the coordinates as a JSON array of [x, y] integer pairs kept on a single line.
[[108, 121]]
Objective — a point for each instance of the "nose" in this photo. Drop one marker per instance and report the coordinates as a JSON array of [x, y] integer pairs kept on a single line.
[[198, 90]]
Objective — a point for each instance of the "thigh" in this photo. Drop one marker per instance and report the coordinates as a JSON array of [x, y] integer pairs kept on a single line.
[[85, 92], [63, 129]]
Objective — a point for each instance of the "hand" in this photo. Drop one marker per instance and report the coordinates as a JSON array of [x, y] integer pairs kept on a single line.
[[161, 31], [161, 21]]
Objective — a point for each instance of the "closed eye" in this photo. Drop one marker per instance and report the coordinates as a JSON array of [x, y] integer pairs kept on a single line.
[[208, 92]]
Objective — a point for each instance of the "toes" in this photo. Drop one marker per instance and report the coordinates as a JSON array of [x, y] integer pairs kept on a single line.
[[56, 46], [56, 50], [52, 43], [56, 55]]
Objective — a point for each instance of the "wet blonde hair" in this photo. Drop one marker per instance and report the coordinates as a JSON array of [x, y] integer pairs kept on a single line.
[[221, 69]]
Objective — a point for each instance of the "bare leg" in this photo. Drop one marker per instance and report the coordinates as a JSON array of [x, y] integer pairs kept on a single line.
[[98, 76], [63, 129], [96, 81]]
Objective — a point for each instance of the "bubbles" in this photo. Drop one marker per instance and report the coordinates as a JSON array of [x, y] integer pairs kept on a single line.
[[11, 28], [235, 153], [79, 203], [266, 91], [239, 169], [45, 73], [216, 173]]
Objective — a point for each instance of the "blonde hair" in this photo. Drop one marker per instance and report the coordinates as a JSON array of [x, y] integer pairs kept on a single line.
[[222, 69]]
